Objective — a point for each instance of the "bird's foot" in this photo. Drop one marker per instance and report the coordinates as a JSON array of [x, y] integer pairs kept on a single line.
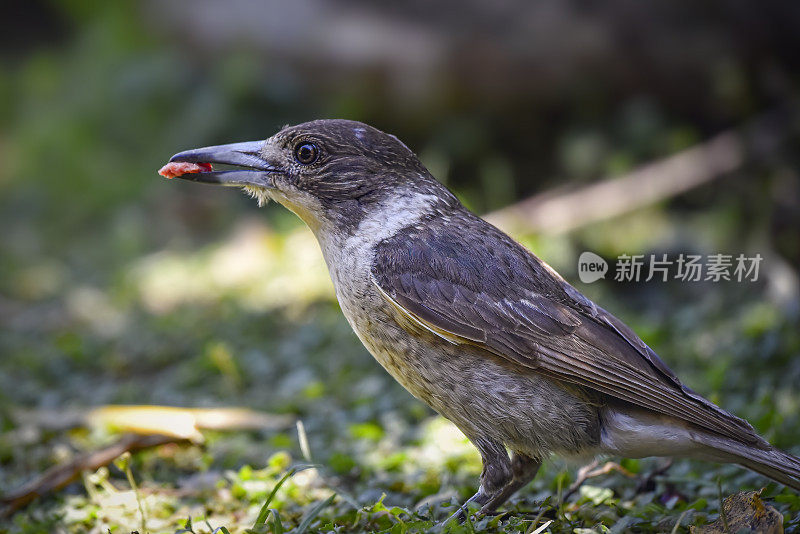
[[523, 471], [480, 499]]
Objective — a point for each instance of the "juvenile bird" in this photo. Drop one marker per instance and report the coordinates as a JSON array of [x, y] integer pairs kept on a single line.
[[472, 323]]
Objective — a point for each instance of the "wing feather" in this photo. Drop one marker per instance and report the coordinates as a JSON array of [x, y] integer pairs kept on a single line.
[[484, 289]]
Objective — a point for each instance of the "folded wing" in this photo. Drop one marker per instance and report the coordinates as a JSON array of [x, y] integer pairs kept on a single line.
[[483, 288]]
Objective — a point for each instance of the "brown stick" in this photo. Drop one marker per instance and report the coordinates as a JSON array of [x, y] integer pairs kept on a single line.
[[591, 470], [60, 476], [146, 426], [555, 212]]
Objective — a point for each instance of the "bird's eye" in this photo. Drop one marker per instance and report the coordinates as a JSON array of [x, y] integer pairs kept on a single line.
[[306, 153]]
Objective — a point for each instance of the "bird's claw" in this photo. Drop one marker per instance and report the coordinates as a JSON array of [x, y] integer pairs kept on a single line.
[[460, 515]]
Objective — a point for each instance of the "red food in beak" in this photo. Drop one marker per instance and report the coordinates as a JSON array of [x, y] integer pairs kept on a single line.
[[178, 168]]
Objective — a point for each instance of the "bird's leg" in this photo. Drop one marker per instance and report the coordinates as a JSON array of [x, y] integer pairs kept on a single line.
[[523, 468], [496, 474]]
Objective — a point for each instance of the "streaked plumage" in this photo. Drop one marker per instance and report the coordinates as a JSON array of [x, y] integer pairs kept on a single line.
[[475, 325], [481, 287]]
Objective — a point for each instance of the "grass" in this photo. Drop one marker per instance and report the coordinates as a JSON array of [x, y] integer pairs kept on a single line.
[[122, 288], [383, 461]]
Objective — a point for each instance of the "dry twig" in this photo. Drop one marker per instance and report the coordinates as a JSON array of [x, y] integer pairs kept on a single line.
[[59, 476], [560, 211]]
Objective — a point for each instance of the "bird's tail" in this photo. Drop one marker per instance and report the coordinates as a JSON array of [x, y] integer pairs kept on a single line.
[[768, 461]]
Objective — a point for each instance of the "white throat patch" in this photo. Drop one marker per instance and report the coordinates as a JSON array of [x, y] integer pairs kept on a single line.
[[394, 214], [403, 209]]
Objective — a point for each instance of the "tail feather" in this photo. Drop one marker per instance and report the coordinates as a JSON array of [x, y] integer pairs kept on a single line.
[[638, 434], [771, 462], [774, 473]]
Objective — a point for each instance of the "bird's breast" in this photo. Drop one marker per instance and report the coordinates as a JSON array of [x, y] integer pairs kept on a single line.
[[482, 394]]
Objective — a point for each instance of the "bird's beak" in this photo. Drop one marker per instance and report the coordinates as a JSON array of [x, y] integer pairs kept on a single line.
[[258, 171]]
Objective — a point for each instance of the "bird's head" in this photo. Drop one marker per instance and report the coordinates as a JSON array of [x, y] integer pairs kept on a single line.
[[332, 173]]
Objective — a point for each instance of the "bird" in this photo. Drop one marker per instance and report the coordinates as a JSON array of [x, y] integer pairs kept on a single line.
[[471, 322]]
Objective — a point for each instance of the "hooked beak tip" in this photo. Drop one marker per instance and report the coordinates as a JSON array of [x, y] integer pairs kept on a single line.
[[256, 170]]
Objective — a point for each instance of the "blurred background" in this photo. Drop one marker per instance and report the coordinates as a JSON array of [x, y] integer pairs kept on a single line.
[[120, 287]]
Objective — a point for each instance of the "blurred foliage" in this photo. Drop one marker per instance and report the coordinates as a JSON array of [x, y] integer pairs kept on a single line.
[[119, 287]]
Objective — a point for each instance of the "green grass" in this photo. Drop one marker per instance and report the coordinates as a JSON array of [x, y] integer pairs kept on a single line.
[[382, 461], [118, 287]]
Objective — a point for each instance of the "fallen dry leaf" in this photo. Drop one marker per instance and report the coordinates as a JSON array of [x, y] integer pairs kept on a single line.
[[744, 511]]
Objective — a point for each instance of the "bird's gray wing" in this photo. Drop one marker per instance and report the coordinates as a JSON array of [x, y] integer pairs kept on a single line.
[[469, 283]]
